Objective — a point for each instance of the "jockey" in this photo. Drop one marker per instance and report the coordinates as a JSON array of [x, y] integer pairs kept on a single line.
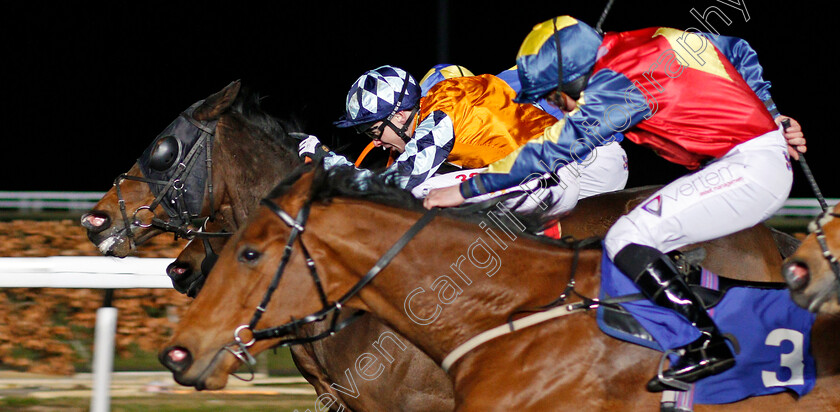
[[440, 72], [697, 99], [470, 122], [604, 170]]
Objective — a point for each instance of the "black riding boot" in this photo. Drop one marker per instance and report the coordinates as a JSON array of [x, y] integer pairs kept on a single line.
[[657, 277]]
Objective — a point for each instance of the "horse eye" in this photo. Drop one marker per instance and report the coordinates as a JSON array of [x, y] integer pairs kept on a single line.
[[249, 255]]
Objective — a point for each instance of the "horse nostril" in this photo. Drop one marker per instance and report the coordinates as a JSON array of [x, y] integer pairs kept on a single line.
[[796, 275], [181, 274], [176, 359], [177, 270], [95, 221]]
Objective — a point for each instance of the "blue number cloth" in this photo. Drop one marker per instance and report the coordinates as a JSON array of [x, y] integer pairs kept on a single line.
[[773, 333]]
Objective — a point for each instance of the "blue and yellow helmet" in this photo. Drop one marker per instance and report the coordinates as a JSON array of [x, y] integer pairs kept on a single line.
[[377, 95], [442, 72], [538, 55]]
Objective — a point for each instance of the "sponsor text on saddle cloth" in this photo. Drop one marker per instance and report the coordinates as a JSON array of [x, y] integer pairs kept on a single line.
[[772, 332]]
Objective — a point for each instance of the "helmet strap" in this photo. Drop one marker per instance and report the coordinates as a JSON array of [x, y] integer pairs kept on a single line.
[[559, 58], [574, 88], [402, 132]]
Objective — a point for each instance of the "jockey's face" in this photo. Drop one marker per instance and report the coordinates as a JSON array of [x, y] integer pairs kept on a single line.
[[388, 138], [561, 101]]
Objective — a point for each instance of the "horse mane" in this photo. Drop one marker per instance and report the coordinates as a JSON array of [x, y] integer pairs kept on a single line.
[[248, 105], [382, 188]]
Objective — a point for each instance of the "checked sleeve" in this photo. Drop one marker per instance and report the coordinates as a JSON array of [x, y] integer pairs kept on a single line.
[[433, 141]]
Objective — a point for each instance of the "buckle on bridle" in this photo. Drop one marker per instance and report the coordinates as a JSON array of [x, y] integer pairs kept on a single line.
[[239, 350], [137, 222]]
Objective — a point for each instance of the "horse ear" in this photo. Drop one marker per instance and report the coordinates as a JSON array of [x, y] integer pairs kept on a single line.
[[217, 103]]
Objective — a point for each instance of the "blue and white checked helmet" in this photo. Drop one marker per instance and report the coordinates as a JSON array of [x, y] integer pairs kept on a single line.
[[378, 94]]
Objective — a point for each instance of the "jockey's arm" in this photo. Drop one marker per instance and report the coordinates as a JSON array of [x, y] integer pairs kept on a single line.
[[433, 140], [745, 60], [569, 140], [424, 153]]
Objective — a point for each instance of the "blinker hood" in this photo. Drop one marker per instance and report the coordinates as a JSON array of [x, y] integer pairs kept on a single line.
[[177, 158]]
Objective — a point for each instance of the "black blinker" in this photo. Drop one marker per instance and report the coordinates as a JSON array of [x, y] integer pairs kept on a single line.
[[165, 153]]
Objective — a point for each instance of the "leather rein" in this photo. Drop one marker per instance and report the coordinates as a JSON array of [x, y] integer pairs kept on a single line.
[[239, 348]]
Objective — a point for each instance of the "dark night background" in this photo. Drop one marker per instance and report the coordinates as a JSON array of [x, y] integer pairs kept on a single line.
[[87, 87]]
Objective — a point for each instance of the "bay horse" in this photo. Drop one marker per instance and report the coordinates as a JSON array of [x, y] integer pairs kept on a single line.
[[813, 272], [251, 152], [262, 279]]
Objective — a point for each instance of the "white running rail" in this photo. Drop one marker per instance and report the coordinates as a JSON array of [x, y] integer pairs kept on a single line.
[[94, 272], [793, 207]]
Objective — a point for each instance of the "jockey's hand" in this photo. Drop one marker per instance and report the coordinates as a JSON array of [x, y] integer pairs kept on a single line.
[[444, 197], [794, 136], [312, 148]]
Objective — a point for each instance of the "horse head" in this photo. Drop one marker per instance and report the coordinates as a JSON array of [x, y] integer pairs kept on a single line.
[[210, 162], [307, 256], [812, 272], [241, 277], [154, 188]]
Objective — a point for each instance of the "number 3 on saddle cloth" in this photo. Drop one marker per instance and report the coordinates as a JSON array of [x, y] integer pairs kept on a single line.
[[773, 335]]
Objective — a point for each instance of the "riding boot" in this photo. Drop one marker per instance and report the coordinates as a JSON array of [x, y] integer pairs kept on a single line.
[[657, 277]]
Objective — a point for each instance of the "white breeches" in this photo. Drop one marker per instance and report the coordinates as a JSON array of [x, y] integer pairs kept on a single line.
[[739, 190]]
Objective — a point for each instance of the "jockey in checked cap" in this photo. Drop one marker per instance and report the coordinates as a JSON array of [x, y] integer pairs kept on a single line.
[[470, 122], [700, 101]]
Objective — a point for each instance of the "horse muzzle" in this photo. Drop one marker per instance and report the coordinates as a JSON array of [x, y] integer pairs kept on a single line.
[[180, 361], [796, 274], [184, 279], [95, 221], [110, 240]]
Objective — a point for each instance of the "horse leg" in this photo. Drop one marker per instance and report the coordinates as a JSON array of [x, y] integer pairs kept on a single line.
[[408, 381]]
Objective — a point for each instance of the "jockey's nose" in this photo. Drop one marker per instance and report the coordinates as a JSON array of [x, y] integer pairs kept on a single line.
[[96, 221], [796, 274], [377, 143]]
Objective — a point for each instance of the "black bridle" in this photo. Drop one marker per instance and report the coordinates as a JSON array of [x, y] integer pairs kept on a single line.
[[174, 189], [239, 348]]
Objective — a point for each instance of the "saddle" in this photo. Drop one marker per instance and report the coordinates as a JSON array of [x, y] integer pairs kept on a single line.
[[618, 322], [763, 324]]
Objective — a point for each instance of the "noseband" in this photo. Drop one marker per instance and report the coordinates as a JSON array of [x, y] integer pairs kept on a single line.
[[240, 349], [180, 216]]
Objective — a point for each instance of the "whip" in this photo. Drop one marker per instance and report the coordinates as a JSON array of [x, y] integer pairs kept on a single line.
[[808, 175]]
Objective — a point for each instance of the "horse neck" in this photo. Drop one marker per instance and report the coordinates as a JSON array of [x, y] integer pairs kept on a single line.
[[247, 164], [452, 281]]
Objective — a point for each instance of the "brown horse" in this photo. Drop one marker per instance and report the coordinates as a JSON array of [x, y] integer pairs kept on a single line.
[[243, 132], [435, 300], [251, 152], [813, 273]]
